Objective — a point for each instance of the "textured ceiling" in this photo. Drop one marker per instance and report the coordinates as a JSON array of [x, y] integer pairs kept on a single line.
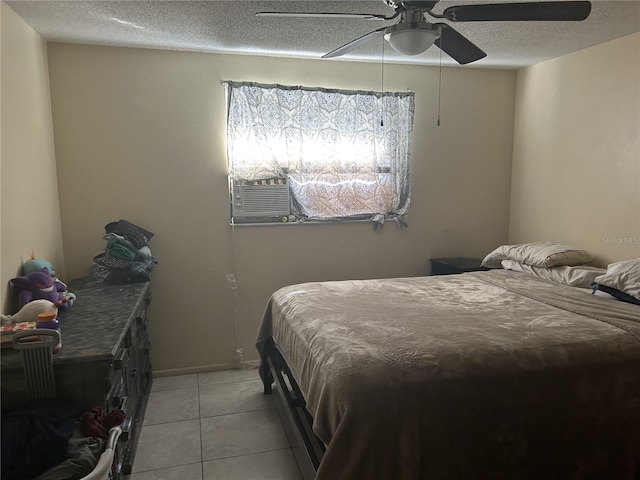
[[231, 27]]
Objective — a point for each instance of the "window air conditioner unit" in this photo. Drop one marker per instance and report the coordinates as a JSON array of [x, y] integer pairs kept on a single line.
[[260, 199]]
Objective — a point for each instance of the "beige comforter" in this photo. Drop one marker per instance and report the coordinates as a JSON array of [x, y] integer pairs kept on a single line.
[[488, 375]]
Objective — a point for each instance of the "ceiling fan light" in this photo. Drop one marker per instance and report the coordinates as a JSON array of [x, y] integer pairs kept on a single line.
[[412, 42]]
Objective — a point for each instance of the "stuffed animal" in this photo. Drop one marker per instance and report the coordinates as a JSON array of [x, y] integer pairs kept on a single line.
[[38, 285], [29, 313], [36, 264]]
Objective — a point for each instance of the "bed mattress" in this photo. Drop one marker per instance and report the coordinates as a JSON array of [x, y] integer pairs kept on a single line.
[[492, 375]]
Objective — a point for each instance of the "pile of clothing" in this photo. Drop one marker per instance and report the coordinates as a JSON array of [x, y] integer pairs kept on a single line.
[[35, 436], [97, 422], [127, 256], [43, 440]]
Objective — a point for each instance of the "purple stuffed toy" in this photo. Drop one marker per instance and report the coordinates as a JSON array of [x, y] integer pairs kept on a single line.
[[36, 286], [35, 265]]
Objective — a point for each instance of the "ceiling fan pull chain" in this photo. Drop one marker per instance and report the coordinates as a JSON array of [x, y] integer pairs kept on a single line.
[[382, 86], [440, 83]]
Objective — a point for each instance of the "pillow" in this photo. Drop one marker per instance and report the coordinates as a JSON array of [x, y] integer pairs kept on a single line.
[[537, 254], [579, 276], [622, 276]]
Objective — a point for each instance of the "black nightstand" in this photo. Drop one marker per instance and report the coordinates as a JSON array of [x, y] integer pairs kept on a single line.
[[449, 266]]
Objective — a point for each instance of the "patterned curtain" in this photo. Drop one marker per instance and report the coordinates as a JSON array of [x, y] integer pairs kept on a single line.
[[346, 153]]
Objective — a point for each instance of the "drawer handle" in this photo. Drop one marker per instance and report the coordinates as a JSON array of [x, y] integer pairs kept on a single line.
[[126, 425], [141, 323]]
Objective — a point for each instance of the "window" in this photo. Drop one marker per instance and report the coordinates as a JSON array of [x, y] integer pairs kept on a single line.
[[343, 154]]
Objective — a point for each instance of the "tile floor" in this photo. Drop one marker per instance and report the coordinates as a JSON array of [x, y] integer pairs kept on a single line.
[[213, 426]]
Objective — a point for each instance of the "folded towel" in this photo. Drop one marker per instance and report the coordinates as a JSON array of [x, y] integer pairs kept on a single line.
[[122, 251]]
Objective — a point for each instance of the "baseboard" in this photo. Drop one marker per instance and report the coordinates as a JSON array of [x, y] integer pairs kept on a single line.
[[250, 364]]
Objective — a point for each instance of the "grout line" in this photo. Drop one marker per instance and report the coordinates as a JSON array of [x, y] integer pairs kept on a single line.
[[227, 383], [149, 425], [254, 453], [238, 413], [162, 468]]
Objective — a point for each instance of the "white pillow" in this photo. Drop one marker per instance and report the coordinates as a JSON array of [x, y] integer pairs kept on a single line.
[[577, 276], [537, 254], [623, 276]]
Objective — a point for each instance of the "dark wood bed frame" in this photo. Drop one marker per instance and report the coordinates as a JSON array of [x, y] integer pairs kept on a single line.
[[293, 410]]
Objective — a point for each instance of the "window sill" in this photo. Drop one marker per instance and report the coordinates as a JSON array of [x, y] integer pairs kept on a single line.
[[306, 222]]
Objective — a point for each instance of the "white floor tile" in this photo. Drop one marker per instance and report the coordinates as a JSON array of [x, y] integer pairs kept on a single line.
[[242, 434], [175, 382], [223, 399], [213, 426], [172, 406], [168, 445], [228, 376], [276, 465], [183, 472]]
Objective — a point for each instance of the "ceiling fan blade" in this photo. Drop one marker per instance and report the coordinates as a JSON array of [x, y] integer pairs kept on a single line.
[[505, 12], [356, 43], [457, 46], [365, 16]]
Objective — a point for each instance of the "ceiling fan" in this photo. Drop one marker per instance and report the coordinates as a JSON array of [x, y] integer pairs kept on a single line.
[[412, 34]]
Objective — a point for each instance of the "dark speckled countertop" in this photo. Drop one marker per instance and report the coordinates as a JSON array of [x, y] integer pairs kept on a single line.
[[95, 325]]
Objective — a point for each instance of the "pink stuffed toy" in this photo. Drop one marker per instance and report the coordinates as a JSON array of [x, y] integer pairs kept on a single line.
[[36, 286]]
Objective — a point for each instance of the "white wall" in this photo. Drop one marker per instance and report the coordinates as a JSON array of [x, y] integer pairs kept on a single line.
[[30, 215], [576, 159], [140, 135]]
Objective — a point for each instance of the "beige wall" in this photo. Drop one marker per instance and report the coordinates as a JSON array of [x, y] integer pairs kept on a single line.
[[576, 160], [30, 215], [140, 135]]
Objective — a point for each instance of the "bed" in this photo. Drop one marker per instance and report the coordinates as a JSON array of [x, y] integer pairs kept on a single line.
[[483, 375]]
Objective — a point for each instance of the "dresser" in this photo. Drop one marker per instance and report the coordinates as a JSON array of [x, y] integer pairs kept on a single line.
[[104, 359]]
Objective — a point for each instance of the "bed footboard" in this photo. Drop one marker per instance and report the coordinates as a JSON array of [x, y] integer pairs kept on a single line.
[[293, 410]]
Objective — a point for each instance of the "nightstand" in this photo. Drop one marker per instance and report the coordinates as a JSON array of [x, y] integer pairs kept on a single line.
[[449, 266]]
